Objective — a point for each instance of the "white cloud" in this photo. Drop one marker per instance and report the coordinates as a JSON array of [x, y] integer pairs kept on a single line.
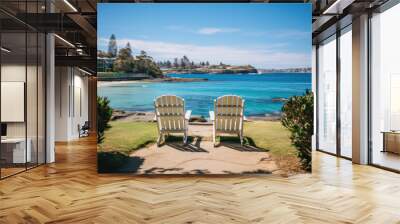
[[202, 31], [266, 57], [289, 33], [214, 30]]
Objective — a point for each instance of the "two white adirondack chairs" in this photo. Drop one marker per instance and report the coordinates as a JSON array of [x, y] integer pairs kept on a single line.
[[228, 116], [171, 117]]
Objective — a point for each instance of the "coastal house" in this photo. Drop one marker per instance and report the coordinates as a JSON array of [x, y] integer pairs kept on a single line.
[[105, 64]]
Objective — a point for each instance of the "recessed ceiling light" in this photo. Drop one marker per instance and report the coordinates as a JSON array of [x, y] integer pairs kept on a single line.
[[86, 72], [337, 7], [64, 40], [5, 50], [70, 5]]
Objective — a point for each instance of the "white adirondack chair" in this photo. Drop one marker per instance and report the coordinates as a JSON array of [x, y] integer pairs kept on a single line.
[[171, 117], [228, 116]]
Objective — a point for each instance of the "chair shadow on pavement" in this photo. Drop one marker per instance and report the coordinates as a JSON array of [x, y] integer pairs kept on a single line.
[[193, 144], [233, 142]]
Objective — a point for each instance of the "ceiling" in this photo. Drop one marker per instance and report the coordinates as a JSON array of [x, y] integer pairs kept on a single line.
[[331, 15], [74, 22]]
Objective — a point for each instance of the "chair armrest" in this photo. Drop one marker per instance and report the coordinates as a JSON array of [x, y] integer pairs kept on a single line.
[[212, 116], [188, 114], [155, 117]]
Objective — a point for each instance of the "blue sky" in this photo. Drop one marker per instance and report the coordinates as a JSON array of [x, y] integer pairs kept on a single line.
[[264, 35]]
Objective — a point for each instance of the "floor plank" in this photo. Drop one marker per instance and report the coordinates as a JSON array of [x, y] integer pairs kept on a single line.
[[71, 191]]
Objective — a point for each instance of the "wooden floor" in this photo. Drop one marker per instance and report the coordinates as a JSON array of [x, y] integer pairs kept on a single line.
[[71, 191], [386, 159]]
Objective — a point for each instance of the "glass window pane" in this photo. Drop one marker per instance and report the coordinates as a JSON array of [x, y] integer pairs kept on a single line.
[[23, 90], [41, 99], [346, 93], [327, 96], [13, 86], [31, 98], [385, 84]]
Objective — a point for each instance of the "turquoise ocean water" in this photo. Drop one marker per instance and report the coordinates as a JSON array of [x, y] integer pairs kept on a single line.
[[258, 90]]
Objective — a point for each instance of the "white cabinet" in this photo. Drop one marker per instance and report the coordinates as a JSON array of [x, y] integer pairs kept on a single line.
[[19, 155]]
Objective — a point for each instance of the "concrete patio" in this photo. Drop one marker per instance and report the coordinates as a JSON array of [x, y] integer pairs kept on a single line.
[[200, 157]]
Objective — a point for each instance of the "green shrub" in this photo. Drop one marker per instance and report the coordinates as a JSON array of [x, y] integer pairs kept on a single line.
[[104, 113], [110, 161], [297, 117], [118, 162]]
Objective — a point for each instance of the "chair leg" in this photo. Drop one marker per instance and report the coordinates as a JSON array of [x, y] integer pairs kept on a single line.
[[214, 138], [185, 137], [159, 140], [241, 139]]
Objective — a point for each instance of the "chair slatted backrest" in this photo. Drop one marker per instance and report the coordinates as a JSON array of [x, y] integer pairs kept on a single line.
[[170, 112], [229, 113]]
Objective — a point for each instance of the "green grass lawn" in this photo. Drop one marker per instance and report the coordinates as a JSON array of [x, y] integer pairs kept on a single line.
[[128, 136], [270, 135]]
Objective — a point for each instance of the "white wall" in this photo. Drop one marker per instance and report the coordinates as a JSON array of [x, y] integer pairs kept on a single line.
[[80, 110], [17, 73], [33, 126], [62, 82], [71, 87], [13, 100], [10, 73]]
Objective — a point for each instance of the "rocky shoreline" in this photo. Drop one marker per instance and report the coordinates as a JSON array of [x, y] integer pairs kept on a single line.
[[149, 116], [181, 80], [170, 80], [221, 69]]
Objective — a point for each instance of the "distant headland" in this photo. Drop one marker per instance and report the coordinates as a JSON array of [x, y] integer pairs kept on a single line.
[[213, 69], [286, 70], [123, 65]]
